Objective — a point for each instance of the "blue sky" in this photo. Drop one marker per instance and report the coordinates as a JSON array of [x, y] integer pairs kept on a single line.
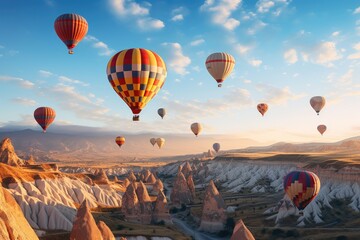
[[286, 52]]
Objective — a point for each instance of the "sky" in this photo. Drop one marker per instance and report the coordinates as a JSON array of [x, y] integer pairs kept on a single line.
[[285, 52]]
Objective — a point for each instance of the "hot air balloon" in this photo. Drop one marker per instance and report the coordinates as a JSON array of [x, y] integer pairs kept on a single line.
[[317, 103], [71, 29], [120, 140], [153, 141], [136, 75], [262, 108], [301, 187], [44, 116], [216, 147], [321, 128], [220, 65], [196, 128], [162, 112], [160, 142]]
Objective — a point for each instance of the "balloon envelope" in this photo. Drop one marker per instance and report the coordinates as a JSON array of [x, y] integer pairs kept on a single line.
[[136, 75], [216, 147], [153, 141], [321, 128], [262, 108], [301, 187], [196, 128], [162, 112], [120, 140], [160, 142], [220, 65], [44, 116], [317, 103], [71, 29]]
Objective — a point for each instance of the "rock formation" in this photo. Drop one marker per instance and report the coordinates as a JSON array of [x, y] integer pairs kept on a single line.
[[213, 215], [161, 209], [151, 179], [126, 182], [241, 232], [191, 185], [132, 177], [180, 193], [116, 179], [186, 169], [105, 231], [30, 161], [158, 186], [13, 224], [85, 227], [8, 155], [130, 202], [144, 175], [144, 202], [101, 177]]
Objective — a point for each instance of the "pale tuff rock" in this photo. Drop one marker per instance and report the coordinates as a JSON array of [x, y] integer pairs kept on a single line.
[[190, 183], [142, 192], [105, 231], [101, 177], [144, 175], [161, 209], [186, 169], [151, 179], [213, 215], [13, 224], [130, 201], [181, 193], [85, 227], [158, 186], [126, 182], [30, 161], [8, 155], [144, 202], [132, 177], [241, 232]]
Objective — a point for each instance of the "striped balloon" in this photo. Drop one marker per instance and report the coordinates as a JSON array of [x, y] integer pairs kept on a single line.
[[136, 75], [44, 116], [220, 65], [301, 187], [120, 140], [262, 108], [71, 29]]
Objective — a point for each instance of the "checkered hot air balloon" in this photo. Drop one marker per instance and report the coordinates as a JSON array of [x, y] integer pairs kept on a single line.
[[220, 65], [136, 75], [71, 29], [120, 140], [44, 116], [301, 187]]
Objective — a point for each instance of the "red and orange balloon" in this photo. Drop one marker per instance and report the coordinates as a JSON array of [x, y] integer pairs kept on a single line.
[[44, 116]]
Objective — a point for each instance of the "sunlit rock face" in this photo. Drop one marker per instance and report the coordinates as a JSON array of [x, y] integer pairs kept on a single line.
[[241, 232], [8, 155], [213, 215], [181, 193]]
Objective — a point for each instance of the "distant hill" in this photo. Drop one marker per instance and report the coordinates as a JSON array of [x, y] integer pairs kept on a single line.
[[73, 145], [348, 146]]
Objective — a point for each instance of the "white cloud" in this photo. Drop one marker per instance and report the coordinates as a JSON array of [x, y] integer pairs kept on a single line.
[[263, 6], [197, 42], [357, 10], [24, 101], [357, 54], [69, 80], [326, 52], [178, 17], [247, 81], [44, 73], [19, 81], [255, 62], [128, 7], [103, 48], [147, 24], [290, 56], [335, 34], [176, 59], [277, 96], [256, 27], [221, 12], [241, 49]]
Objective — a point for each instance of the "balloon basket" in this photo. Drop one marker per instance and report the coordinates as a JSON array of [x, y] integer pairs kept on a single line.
[[71, 52], [136, 118], [219, 85], [301, 213]]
